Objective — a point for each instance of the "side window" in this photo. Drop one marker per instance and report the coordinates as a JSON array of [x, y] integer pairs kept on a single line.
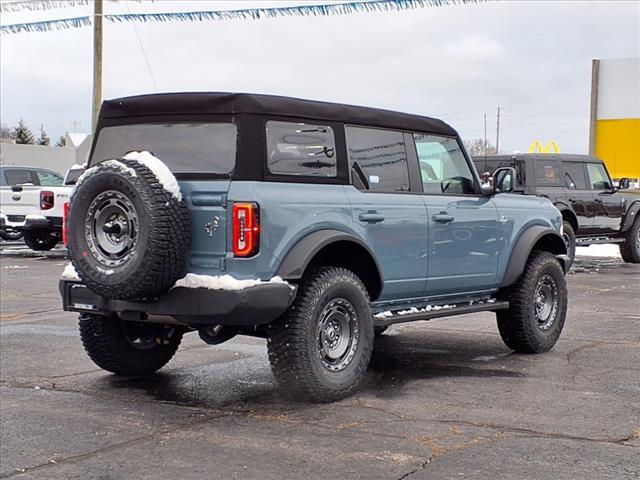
[[575, 177], [301, 149], [547, 172], [443, 166], [49, 179], [598, 178], [18, 177], [377, 159]]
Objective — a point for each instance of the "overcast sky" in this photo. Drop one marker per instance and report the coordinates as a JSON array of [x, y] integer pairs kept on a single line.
[[533, 59]]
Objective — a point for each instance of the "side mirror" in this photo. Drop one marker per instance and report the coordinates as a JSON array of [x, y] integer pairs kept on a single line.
[[504, 180], [623, 183]]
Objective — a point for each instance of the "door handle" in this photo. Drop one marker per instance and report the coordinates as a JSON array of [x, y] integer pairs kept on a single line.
[[371, 217], [442, 217]]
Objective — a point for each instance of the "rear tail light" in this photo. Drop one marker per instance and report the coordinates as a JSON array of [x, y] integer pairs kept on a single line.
[[46, 199], [65, 215], [246, 229]]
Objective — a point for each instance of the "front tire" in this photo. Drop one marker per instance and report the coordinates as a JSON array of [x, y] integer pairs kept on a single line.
[[128, 348], [320, 348], [40, 240], [630, 249], [537, 306]]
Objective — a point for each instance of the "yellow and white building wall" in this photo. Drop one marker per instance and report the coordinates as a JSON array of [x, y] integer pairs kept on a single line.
[[614, 134]]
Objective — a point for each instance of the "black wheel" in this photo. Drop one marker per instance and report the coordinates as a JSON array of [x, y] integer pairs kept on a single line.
[[40, 240], [380, 330], [320, 348], [128, 348], [10, 235], [128, 236], [538, 306], [569, 237], [630, 249]]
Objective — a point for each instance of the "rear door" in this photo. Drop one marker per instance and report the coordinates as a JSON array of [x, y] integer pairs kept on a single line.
[[463, 225], [608, 206], [579, 195], [386, 210]]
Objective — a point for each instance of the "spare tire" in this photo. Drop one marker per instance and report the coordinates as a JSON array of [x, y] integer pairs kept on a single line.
[[127, 234]]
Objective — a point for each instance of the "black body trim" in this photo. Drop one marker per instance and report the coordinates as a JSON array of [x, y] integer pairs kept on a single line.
[[188, 306], [632, 212], [445, 312], [523, 248]]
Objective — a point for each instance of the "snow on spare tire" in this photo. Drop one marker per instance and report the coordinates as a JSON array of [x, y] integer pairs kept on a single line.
[[128, 227]]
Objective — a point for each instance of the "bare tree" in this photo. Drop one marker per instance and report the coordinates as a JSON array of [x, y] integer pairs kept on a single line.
[[478, 146]]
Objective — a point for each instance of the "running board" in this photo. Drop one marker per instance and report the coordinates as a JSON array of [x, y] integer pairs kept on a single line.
[[593, 241], [437, 312]]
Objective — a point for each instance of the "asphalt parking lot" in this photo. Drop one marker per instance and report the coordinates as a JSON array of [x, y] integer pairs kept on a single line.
[[444, 399]]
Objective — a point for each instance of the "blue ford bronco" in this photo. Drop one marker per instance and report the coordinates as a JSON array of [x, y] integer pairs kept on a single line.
[[313, 225]]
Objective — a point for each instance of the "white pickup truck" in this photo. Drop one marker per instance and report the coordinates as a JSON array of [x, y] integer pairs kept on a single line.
[[32, 203]]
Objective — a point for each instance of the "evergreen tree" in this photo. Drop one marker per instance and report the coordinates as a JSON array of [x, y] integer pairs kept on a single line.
[[62, 142], [21, 134], [44, 138]]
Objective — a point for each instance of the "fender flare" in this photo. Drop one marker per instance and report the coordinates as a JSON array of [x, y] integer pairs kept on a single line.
[[298, 258], [523, 248], [564, 207], [632, 213]]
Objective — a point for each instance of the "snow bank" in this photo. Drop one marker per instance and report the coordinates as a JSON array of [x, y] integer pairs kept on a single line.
[[599, 250], [222, 282], [159, 169], [70, 273]]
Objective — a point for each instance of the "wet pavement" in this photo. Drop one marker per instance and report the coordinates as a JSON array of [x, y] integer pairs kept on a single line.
[[443, 399]]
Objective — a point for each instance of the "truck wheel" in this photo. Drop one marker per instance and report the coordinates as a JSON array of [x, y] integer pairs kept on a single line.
[[13, 235], [630, 248], [40, 240], [128, 348], [569, 237], [537, 306], [320, 348], [128, 236]]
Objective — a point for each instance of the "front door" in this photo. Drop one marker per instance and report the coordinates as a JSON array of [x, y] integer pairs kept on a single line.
[[579, 195], [463, 225], [607, 205]]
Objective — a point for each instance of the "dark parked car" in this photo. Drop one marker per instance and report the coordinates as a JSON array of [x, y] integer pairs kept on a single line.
[[310, 224], [593, 209]]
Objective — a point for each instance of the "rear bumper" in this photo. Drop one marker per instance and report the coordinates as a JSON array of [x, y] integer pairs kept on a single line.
[[188, 306], [21, 224]]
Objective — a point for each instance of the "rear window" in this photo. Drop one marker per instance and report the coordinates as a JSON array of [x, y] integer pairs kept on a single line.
[[183, 147], [18, 177], [547, 172]]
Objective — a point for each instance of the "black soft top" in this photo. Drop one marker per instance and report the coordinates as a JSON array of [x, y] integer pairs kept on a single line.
[[564, 157], [181, 104]]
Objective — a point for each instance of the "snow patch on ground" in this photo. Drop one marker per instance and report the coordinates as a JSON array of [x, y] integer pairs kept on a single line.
[[70, 273], [222, 282], [159, 169], [599, 250]]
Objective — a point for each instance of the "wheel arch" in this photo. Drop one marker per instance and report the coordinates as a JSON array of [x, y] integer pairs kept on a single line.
[[568, 214], [632, 213], [534, 238], [334, 248]]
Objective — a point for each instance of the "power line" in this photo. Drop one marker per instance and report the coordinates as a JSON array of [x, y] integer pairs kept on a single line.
[[144, 53]]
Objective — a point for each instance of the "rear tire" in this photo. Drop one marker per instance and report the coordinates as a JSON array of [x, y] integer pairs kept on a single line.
[[40, 240], [14, 235], [128, 348], [537, 306], [630, 249], [569, 237], [320, 348]]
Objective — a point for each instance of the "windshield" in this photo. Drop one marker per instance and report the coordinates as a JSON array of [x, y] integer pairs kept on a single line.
[[183, 147]]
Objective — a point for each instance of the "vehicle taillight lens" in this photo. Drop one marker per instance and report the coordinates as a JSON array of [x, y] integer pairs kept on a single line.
[[46, 199], [246, 229], [65, 215]]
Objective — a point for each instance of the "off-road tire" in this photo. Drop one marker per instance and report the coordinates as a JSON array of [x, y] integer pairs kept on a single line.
[[518, 325], [630, 248], [293, 343], [40, 240], [14, 235], [106, 343], [158, 256], [569, 237]]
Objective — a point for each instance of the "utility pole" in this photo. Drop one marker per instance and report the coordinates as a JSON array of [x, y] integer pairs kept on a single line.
[[498, 132], [485, 135], [97, 63]]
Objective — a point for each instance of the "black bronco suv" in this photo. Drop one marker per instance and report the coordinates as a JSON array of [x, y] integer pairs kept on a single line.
[[592, 208], [310, 224]]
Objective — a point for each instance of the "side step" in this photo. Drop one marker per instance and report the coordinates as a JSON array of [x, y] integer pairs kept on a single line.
[[593, 241], [403, 316]]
